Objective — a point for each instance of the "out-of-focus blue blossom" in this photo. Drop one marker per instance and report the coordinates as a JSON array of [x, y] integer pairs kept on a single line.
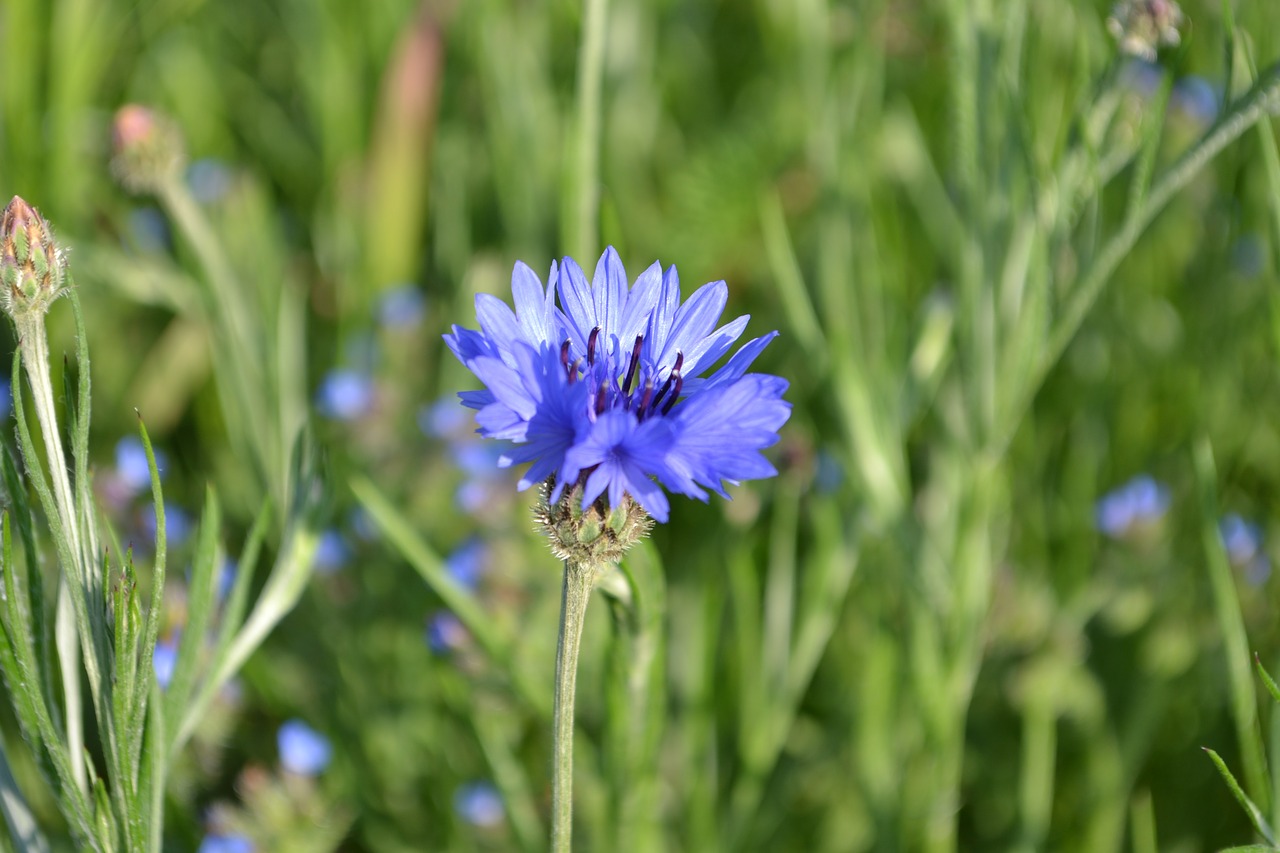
[[345, 395], [303, 750], [6, 399], [177, 523], [149, 229], [477, 458], [1243, 543], [131, 463], [1249, 255], [209, 179], [1197, 98], [476, 495], [443, 419], [1141, 77], [1140, 502], [226, 577], [401, 308], [829, 473], [467, 563], [164, 660], [445, 632], [226, 844], [332, 551], [479, 804], [364, 526]]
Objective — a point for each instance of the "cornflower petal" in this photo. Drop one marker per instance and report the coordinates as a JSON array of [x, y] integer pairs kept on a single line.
[[694, 320], [575, 299], [609, 292]]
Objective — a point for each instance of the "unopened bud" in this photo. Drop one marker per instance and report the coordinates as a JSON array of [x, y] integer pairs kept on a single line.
[[1142, 27], [147, 149], [32, 269], [593, 536]]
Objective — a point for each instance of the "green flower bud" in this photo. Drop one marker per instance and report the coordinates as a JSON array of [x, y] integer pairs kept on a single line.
[[147, 147], [32, 268], [595, 536]]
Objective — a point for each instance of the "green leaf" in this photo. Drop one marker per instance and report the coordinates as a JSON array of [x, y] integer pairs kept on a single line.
[[1271, 686], [1255, 815]]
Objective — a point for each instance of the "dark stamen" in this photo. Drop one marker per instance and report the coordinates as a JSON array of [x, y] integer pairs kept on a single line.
[[666, 386], [591, 345], [675, 394], [573, 370], [600, 399], [645, 397], [564, 358], [635, 365]]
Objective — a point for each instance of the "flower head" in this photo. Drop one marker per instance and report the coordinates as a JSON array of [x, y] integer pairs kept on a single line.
[[303, 750], [612, 387], [147, 149], [1137, 505], [1142, 27], [32, 267]]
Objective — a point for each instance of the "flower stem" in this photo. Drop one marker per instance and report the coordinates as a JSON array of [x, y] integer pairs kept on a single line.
[[579, 578]]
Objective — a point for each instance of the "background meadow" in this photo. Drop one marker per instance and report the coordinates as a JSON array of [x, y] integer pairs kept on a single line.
[[1009, 579]]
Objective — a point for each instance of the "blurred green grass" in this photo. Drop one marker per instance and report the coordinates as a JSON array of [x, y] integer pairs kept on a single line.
[[914, 638]]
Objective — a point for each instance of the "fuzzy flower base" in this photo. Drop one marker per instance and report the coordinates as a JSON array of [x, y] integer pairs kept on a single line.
[[608, 389]]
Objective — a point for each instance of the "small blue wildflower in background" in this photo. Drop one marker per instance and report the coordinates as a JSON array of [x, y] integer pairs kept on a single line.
[[364, 525], [303, 750], [401, 308], [609, 386], [479, 804], [442, 419], [1138, 503], [345, 395], [467, 563], [209, 180], [829, 473], [177, 524], [149, 229], [445, 632], [225, 844], [164, 660], [1242, 541], [1196, 98], [332, 551], [131, 464], [6, 399], [226, 577]]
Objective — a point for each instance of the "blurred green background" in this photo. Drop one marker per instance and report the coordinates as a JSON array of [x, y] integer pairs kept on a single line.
[[930, 631]]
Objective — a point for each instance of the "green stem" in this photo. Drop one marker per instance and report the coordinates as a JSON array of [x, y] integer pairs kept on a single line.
[[579, 578], [587, 159]]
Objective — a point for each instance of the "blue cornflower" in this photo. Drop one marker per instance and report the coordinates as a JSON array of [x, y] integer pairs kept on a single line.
[[177, 524], [164, 659], [608, 388], [132, 466], [1243, 543], [345, 395], [402, 307], [332, 551], [1141, 501], [303, 750], [226, 844], [479, 804], [445, 632], [466, 565]]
